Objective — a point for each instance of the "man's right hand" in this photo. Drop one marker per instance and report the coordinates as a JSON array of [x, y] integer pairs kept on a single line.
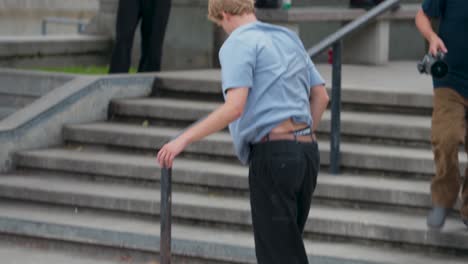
[[436, 44], [423, 23]]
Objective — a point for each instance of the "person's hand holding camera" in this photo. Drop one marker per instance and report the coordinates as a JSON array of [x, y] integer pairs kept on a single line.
[[436, 44]]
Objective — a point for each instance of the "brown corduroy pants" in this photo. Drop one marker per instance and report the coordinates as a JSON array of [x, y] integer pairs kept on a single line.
[[449, 130]]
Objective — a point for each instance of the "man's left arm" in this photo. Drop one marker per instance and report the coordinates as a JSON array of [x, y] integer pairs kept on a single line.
[[318, 103], [231, 110]]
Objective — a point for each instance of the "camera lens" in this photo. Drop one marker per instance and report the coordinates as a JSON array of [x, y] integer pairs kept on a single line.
[[439, 69]]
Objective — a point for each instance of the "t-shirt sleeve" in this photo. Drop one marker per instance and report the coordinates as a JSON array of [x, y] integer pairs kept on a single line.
[[237, 60], [433, 8], [314, 76]]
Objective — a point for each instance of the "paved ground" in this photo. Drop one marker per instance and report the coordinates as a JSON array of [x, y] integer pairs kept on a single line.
[[395, 76]]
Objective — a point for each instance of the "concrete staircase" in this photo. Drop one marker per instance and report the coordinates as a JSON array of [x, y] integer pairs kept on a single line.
[[101, 188]]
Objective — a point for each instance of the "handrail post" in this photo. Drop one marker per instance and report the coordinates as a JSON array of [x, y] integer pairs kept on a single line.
[[166, 214], [336, 109], [44, 27], [81, 28], [335, 40]]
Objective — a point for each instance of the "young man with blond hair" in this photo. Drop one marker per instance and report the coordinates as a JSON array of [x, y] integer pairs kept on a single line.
[[274, 100]]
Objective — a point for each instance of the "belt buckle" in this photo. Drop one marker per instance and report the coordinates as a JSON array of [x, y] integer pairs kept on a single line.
[[303, 132]]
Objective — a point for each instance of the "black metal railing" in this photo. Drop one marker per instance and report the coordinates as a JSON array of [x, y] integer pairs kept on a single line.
[[335, 41], [80, 24], [166, 215]]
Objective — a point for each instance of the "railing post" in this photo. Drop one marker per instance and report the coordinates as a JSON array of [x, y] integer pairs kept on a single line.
[[44, 27], [336, 109], [81, 28], [166, 214]]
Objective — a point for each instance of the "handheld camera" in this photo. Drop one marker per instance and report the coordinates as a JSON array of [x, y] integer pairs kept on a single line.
[[434, 65]]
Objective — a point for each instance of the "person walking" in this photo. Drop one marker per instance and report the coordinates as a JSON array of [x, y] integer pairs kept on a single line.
[[274, 101], [449, 116], [154, 15]]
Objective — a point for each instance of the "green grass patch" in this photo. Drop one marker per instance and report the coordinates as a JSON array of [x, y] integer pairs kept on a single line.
[[90, 70]]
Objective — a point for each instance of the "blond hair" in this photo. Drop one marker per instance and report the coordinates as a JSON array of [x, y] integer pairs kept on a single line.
[[233, 7]]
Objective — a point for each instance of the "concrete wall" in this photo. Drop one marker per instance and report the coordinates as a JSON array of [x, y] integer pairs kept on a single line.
[[190, 38], [83, 99], [54, 51], [23, 17], [405, 41]]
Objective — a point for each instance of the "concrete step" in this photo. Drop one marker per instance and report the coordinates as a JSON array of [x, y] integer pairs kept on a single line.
[[221, 176], [166, 108], [396, 159], [391, 227], [130, 232], [40, 253], [377, 87], [375, 125]]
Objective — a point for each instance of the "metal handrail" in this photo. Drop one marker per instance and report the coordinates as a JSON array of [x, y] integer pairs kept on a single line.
[[335, 41], [353, 26], [81, 24], [166, 216], [165, 213]]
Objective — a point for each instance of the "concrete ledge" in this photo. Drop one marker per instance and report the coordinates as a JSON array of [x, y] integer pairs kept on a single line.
[[23, 17], [84, 99], [369, 45], [16, 46], [110, 6], [30, 83], [314, 14], [70, 50], [49, 4]]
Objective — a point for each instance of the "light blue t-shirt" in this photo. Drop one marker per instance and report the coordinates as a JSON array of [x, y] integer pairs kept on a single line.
[[273, 63]]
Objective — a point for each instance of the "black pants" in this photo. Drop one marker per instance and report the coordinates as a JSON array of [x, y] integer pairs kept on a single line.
[[154, 15], [282, 179]]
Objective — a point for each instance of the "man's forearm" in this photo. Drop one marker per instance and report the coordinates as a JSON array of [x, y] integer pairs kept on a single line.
[[214, 122], [318, 103], [423, 23], [217, 120], [220, 118]]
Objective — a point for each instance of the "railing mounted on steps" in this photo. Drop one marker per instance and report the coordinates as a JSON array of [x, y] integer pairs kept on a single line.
[[166, 216], [81, 24], [335, 41]]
